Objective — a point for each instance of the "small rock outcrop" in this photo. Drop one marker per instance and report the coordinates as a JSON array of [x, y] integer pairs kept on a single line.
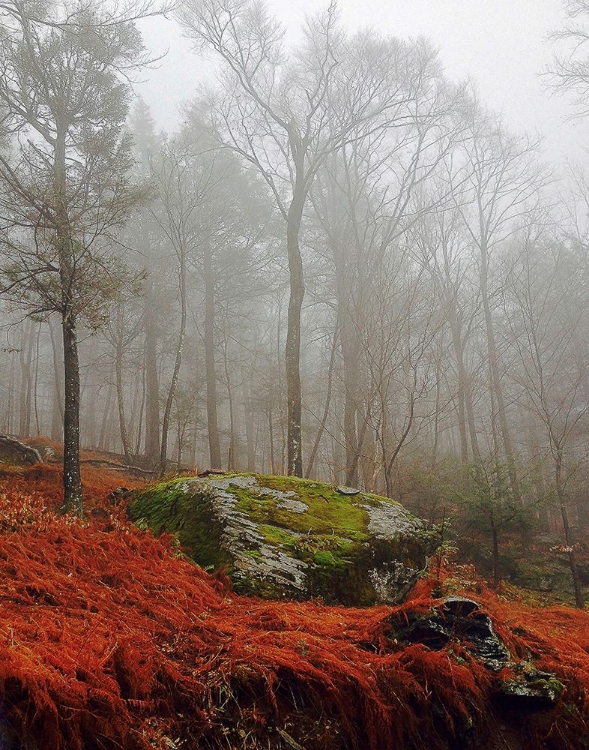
[[530, 689], [292, 538], [461, 620], [14, 452], [458, 619]]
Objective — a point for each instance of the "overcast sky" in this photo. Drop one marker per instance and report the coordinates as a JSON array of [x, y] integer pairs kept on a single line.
[[501, 44]]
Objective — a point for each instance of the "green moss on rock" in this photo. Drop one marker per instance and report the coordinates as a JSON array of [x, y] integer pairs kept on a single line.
[[283, 536], [169, 507]]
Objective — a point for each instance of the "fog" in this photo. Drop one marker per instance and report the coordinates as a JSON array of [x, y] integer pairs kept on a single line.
[[504, 47], [354, 258]]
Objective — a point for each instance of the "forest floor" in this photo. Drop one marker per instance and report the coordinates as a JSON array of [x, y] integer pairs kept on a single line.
[[110, 638]]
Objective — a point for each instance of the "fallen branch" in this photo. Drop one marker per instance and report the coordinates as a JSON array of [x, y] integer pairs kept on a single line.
[[118, 467]]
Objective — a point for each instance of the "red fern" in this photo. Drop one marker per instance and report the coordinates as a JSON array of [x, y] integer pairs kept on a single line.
[[106, 634]]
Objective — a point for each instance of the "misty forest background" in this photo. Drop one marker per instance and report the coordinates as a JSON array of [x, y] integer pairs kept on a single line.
[[437, 265]]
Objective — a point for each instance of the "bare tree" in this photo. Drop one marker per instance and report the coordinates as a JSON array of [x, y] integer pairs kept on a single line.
[[179, 195], [121, 333], [365, 198], [65, 182], [209, 212], [441, 245], [569, 72], [143, 234], [546, 307], [399, 326], [504, 179], [285, 118]]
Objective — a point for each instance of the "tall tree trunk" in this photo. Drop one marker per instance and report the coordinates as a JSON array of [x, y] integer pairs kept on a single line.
[[495, 377], [388, 467], [26, 358], [135, 418], [180, 440], [495, 554], [327, 405], [271, 440], [152, 407], [362, 432], [282, 422], [462, 426], [293, 335], [467, 425], [119, 384], [72, 482], [141, 410], [91, 417], [568, 535], [232, 438], [437, 412], [351, 359], [57, 414], [102, 439], [11, 391], [350, 349], [177, 361], [36, 380], [466, 421], [250, 432], [211, 375]]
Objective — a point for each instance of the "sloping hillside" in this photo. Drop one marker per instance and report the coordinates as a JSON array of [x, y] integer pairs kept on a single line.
[[110, 638]]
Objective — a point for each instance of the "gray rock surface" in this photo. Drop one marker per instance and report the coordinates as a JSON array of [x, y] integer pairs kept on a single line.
[[286, 537]]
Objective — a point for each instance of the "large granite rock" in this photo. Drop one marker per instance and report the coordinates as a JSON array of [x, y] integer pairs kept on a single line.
[[294, 538]]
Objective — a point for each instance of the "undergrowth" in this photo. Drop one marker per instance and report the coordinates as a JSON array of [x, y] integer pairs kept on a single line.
[[110, 639]]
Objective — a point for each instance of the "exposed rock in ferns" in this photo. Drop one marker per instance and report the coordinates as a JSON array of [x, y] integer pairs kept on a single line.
[[294, 538]]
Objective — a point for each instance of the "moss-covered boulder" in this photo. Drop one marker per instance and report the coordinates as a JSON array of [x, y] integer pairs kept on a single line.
[[287, 537]]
